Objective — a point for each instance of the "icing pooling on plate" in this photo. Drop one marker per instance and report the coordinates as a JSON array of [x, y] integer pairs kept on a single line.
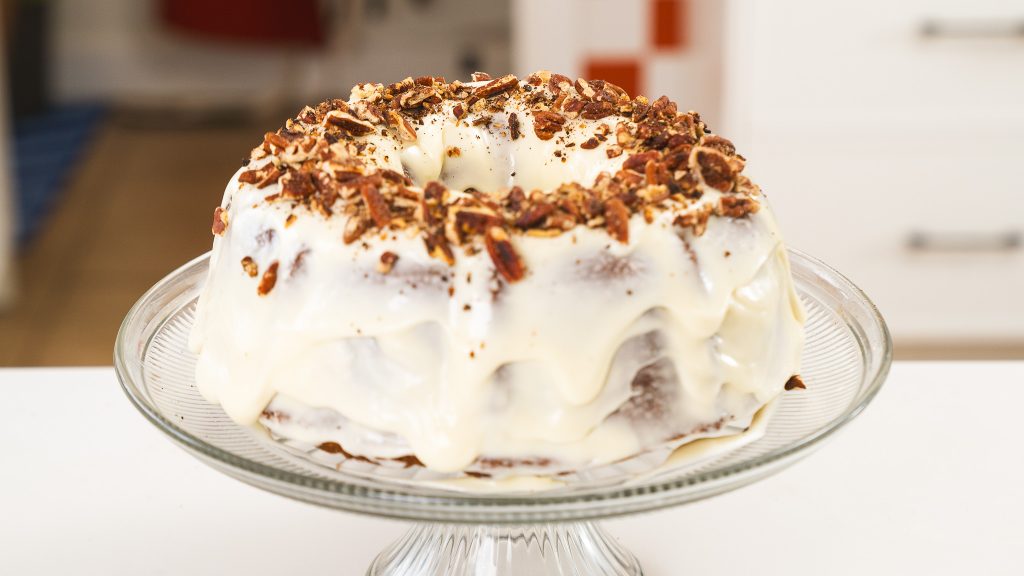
[[452, 363]]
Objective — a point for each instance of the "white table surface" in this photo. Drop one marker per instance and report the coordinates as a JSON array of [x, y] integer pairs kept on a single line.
[[929, 480]]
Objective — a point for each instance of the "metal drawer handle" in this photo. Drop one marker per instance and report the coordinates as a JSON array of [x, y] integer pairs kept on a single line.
[[920, 241], [978, 29]]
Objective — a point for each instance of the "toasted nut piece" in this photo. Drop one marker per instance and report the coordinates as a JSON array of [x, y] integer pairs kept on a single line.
[[275, 139], [405, 128], [584, 89], [269, 280], [497, 86], [250, 267], [387, 262], [545, 124], [617, 219], [348, 123], [713, 167], [696, 219], [794, 382], [718, 143], [736, 206], [513, 126], [354, 228], [220, 221], [375, 204], [503, 254], [597, 110], [535, 214], [438, 247]]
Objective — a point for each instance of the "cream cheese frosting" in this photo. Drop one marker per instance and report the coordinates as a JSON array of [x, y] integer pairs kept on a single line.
[[601, 350]]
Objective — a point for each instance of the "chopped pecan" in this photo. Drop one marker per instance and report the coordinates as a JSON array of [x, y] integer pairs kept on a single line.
[[496, 86], [590, 144], [559, 83], [250, 267], [354, 228], [268, 280], [376, 205], [613, 151], [572, 107], [416, 97], [438, 247], [387, 262], [545, 124], [638, 162], [275, 139], [597, 110], [534, 214], [718, 143], [261, 177], [513, 126], [296, 184], [472, 221], [220, 221], [795, 382], [480, 76], [584, 89], [735, 206], [623, 135], [348, 123], [406, 131], [714, 168], [503, 254], [696, 219], [458, 111], [617, 219]]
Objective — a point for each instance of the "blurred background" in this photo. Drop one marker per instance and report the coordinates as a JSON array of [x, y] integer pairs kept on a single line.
[[888, 136]]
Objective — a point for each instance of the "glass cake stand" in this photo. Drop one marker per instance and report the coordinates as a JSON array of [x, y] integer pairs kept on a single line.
[[554, 532]]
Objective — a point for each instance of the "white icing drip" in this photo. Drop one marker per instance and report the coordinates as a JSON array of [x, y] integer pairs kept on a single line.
[[526, 374]]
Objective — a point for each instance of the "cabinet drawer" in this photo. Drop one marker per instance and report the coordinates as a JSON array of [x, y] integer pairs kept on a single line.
[[897, 64], [932, 231]]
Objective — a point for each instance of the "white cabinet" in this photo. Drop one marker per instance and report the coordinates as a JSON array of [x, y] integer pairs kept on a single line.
[[889, 137]]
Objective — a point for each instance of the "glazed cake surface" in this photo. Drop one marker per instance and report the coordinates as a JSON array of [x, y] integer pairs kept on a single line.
[[496, 277]]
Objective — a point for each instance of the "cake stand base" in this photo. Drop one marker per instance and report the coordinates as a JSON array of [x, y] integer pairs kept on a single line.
[[535, 549]]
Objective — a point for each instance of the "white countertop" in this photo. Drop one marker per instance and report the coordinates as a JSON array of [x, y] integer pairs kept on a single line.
[[929, 480]]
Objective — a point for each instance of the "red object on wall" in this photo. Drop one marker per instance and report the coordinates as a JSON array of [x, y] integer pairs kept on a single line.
[[260, 22], [669, 23], [624, 73]]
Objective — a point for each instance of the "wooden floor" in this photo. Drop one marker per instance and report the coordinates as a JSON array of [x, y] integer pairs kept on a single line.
[[138, 206]]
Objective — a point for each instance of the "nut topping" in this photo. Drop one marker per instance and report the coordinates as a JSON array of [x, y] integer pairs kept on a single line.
[[387, 262], [513, 126], [545, 124], [348, 123], [250, 267], [497, 86], [795, 382], [325, 169], [220, 221], [713, 167], [269, 280], [617, 219], [375, 204], [506, 261]]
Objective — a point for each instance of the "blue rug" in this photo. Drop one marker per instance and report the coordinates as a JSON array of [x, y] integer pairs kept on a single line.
[[46, 149]]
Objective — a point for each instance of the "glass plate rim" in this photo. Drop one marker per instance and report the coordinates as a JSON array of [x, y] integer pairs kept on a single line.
[[442, 500]]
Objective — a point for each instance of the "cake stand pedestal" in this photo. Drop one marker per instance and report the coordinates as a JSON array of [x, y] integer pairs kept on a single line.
[[844, 363], [534, 549]]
